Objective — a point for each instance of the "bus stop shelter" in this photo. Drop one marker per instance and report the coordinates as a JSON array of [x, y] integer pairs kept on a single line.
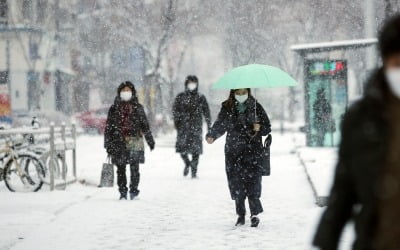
[[326, 89]]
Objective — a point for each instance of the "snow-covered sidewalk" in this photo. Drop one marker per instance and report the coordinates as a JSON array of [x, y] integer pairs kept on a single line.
[[319, 164], [172, 212]]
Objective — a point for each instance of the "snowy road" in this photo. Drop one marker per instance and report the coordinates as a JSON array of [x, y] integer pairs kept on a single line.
[[172, 212]]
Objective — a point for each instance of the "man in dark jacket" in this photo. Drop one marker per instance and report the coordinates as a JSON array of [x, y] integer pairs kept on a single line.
[[126, 126], [322, 117], [189, 109], [367, 181]]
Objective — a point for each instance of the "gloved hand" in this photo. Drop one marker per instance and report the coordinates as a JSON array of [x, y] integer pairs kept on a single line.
[[109, 151], [210, 140], [152, 146]]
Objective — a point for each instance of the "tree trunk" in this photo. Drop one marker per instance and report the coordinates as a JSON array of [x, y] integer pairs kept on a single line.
[[388, 8]]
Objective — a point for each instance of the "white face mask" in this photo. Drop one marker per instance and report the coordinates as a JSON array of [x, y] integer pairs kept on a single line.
[[393, 78], [241, 98], [192, 86], [125, 95]]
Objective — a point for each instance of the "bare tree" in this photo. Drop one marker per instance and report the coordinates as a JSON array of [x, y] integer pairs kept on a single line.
[[391, 7], [151, 27], [41, 19]]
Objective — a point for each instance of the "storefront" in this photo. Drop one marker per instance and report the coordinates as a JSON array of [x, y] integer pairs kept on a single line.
[[325, 100], [326, 84]]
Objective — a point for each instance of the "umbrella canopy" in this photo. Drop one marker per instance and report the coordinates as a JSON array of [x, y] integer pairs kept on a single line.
[[255, 76]]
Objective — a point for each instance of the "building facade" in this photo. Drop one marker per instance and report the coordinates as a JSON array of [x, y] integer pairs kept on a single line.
[[35, 65]]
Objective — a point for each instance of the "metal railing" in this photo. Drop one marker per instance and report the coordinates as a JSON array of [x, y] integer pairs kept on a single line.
[[60, 140]]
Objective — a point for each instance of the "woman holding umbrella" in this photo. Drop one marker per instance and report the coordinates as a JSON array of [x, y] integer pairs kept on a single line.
[[245, 122]]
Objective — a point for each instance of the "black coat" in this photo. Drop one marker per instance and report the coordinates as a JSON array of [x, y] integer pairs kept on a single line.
[[243, 148], [322, 113], [189, 109], [113, 138], [362, 154]]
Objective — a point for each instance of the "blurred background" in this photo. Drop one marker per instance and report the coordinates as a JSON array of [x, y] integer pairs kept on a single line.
[[62, 60]]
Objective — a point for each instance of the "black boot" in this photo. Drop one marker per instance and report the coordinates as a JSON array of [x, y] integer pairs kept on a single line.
[[186, 170], [194, 164], [135, 178], [186, 160], [254, 221], [123, 196], [194, 170], [134, 194], [240, 221], [194, 175]]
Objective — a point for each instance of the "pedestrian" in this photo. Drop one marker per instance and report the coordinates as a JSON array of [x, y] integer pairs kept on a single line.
[[35, 123], [126, 126], [188, 111], [322, 117], [245, 122], [366, 186]]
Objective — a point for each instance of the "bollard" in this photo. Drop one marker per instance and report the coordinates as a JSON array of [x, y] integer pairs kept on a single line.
[[52, 158], [74, 150], [63, 154]]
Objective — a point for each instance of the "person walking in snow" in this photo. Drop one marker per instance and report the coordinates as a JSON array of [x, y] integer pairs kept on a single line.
[[126, 126], [188, 111], [322, 117], [366, 187], [245, 122]]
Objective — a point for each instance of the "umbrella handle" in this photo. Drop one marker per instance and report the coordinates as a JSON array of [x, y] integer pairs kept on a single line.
[[255, 105]]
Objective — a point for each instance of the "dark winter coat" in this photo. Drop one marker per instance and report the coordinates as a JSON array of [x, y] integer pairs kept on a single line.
[[362, 154], [188, 111], [243, 148], [322, 112], [114, 141]]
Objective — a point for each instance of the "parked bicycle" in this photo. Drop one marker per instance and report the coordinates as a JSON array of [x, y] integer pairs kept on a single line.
[[23, 172], [59, 161], [58, 165]]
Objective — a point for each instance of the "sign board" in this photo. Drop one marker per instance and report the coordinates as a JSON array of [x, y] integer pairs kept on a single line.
[[5, 100]]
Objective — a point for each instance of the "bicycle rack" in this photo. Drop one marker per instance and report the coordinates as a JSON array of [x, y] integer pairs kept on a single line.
[[63, 144], [61, 139]]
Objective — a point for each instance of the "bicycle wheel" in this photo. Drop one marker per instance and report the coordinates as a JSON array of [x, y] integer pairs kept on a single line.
[[56, 167], [57, 163], [28, 177]]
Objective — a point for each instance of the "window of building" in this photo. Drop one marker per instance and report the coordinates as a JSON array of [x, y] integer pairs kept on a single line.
[[3, 77], [3, 12], [41, 10], [27, 9], [33, 50]]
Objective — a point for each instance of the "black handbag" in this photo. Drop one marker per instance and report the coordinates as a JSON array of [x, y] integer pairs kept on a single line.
[[266, 156], [107, 174]]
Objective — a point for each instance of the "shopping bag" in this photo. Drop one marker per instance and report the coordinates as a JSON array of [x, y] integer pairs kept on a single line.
[[107, 174], [266, 156]]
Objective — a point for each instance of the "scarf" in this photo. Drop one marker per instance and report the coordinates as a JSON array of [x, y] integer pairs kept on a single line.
[[126, 109]]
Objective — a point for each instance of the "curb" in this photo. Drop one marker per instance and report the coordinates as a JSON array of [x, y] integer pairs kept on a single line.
[[321, 201]]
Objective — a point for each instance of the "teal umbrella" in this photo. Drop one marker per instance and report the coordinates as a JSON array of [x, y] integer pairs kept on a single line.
[[255, 76]]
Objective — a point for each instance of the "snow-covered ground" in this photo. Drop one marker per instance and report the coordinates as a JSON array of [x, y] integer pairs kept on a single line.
[[172, 212], [320, 164]]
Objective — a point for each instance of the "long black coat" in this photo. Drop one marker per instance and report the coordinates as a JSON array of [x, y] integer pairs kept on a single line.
[[362, 154], [322, 113], [243, 150], [189, 109], [113, 138]]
